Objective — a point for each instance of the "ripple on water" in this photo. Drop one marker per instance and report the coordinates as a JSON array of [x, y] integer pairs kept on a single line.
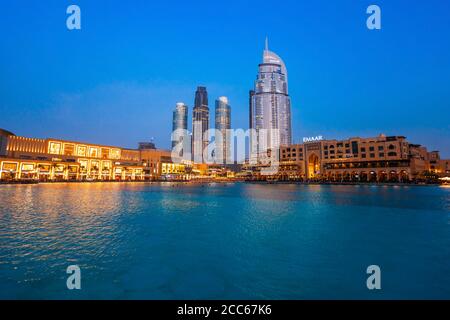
[[164, 241]]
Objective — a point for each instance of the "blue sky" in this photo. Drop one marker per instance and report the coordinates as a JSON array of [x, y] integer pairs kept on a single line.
[[116, 81]]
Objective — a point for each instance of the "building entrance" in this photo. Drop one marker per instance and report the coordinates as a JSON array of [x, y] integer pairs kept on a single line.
[[313, 166]]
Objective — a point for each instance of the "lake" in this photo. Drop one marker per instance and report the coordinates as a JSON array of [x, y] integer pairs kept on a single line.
[[224, 241]]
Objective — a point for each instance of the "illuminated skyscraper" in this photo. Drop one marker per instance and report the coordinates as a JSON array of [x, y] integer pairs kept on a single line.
[[200, 124], [270, 105], [223, 123], [180, 115]]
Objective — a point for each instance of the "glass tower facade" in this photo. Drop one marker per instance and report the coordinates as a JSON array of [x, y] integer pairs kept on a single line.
[[223, 123], [200, 124], [270, 104], [179, 121]]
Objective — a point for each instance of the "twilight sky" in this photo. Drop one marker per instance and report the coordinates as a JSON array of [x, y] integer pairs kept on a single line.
[[116, 81]]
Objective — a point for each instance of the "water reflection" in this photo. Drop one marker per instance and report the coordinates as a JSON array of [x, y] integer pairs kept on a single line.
[[233, 240]]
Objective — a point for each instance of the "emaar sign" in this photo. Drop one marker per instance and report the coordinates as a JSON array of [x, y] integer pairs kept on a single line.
[[312, 139]]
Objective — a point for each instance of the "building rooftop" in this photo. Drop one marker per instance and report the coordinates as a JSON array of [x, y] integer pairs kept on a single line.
[[4, 132]]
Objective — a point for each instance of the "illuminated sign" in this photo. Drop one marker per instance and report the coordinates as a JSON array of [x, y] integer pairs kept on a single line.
[[312, 139]]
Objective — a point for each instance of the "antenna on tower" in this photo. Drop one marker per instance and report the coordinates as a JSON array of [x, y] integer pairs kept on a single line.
[[267, 43]]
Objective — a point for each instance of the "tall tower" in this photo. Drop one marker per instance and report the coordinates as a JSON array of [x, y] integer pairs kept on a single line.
[[223, 123], [179, 121], [270, 104], [251, 93], [200, 124]]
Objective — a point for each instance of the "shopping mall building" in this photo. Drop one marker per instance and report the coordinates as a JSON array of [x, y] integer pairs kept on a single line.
[[24, 158], [378, 159]]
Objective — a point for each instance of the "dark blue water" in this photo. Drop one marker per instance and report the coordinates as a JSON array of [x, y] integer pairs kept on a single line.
[[233, 241]]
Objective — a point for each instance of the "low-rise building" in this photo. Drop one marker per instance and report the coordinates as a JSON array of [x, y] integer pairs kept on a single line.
[[23, 158], [377, 159]]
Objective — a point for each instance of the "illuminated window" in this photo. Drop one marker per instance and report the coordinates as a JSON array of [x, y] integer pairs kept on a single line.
[[44, 167], [106, 165], [115, 154], [9, 166], [105, 153], [93, 152], [82, 151], [73, 169], [69, 149], [83, 165], [27, 167], [94, 165], [54, 148]]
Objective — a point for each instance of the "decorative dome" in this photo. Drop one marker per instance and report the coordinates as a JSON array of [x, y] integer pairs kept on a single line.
[[273, 58]]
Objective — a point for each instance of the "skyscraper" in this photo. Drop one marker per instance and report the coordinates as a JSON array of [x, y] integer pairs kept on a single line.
[[223, 123], [251, 93], [200, 124], [180, 115], [270, 105]]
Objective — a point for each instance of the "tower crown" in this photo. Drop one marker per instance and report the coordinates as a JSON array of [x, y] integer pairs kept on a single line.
[[272, 58]]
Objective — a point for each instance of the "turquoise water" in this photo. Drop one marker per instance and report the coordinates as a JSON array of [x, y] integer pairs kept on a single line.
[[223, 241]]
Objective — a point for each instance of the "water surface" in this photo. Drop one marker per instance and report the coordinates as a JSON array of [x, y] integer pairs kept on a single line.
[[223, 241]]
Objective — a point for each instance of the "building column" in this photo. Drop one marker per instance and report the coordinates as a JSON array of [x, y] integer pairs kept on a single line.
[[19, 171]]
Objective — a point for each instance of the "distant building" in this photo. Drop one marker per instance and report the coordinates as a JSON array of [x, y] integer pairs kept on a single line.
[[223, 123], [200, 124], [270, 104], [146, 145], [180, 121]]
